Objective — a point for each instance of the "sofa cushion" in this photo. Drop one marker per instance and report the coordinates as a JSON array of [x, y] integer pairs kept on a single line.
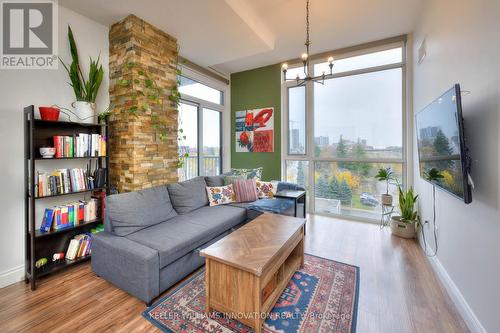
[[214, 180], [248, 173], [186, 232], [188, 195], [133, 211], [221, 195], [246, 190], [229, 179], [251, 213], [265, 190]]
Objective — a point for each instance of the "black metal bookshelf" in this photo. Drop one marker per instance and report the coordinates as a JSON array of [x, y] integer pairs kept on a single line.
[[39, 133]]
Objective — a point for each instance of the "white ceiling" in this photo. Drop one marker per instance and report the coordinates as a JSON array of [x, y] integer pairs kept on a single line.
[[234, 35]]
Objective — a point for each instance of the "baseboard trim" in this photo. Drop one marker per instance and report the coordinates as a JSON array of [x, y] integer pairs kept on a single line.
[[11, 276], [456, 296]]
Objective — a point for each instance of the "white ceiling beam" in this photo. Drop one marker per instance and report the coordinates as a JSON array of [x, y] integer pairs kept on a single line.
[[248, 13]]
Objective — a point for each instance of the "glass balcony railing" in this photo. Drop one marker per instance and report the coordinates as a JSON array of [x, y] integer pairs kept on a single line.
[[210, 164]]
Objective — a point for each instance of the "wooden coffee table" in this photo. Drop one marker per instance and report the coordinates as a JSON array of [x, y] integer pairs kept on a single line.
[[246, 271]]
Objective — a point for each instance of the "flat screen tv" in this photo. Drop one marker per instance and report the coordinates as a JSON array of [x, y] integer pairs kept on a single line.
[[441, 144]]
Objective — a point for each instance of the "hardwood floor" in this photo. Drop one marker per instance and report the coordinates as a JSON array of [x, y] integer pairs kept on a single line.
[[399, 292]]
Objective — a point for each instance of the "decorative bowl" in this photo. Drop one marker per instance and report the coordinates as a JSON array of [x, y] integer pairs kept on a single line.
[[47, 152]]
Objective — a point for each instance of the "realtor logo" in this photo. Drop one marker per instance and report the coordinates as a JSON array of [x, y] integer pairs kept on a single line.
[[29, 35]]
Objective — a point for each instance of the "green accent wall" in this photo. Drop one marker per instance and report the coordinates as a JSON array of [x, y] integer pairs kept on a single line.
[[254, 89]]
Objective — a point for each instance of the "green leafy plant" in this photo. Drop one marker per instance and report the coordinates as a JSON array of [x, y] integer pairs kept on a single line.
[[104, 115], [147, 98], [433, 175], [175, 99], [385, 175], [407, 205], [85, 89]]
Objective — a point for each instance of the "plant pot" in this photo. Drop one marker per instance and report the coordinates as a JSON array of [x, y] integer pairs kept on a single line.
[[402, 229], [85, 111], [49, 113], [386, 199]]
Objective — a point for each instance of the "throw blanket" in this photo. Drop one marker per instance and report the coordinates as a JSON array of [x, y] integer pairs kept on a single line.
[[276, 205]]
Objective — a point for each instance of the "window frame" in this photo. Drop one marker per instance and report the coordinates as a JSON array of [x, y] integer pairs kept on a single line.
[[405, 159], [202, 104], [306, 121]]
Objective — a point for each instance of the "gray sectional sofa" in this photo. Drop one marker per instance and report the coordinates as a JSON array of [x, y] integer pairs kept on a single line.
[[152, 237]]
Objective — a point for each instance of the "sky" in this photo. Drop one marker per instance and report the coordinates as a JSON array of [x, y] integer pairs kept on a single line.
[[366, 106]]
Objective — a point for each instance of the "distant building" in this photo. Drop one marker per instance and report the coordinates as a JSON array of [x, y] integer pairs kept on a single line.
[[295, 139], [322, 141], [429, 132]]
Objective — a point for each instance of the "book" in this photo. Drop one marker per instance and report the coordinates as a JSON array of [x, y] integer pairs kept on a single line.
[[48, 217], [64, 216], [72, 250]]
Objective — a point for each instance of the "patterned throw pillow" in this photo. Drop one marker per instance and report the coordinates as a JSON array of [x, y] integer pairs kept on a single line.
[[220, 195], [266, 189], [246, 190], [229, 179], [249, 173]]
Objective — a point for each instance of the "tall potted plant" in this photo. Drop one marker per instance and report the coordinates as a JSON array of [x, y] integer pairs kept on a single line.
[[85, 89], [386, 175], [406, 224]]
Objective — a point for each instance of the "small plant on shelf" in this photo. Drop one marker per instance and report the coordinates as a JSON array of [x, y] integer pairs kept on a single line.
[[386, 175], [406, 224]]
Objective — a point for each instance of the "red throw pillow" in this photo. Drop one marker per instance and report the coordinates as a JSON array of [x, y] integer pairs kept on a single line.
[[245, 189]]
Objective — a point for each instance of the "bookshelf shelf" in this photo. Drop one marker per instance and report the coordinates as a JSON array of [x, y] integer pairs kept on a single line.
[[69, 193], [52, 267], [67, 158], [41, 122], [39, 233], [40, 133]]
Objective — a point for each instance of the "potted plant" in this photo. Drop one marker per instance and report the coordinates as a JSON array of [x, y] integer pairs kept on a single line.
[[406, 224], [85, 89], [386, 175]]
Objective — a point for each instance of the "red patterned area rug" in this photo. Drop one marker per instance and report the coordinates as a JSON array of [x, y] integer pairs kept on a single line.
[[321, 297]]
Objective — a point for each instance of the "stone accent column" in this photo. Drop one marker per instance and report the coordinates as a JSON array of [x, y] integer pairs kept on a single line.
[[138, 157]]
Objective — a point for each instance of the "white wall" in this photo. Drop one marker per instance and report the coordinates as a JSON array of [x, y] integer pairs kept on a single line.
[[463, 45], [20, 88]]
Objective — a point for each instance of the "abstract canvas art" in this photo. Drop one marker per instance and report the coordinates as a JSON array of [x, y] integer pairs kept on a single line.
[[255, 131]]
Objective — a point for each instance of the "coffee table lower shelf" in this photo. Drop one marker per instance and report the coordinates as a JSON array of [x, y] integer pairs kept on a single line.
[[246, 296]]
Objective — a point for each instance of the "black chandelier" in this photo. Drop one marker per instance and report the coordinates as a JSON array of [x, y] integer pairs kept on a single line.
[[305, 61]]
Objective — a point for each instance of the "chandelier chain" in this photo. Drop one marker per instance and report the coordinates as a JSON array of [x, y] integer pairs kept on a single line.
[[306, 62], [307, 25]]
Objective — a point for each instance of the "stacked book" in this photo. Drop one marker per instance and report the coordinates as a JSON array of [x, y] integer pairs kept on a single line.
[[80, 145], [80, 246], [69, 215], [63, 181]]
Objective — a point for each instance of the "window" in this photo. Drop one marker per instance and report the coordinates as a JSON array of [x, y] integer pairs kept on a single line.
[[201, 91], [188, 140], [297, 172], [357, 120], [200, 129], [211, 142], [374, 59], [297, 120], [359, 116]]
